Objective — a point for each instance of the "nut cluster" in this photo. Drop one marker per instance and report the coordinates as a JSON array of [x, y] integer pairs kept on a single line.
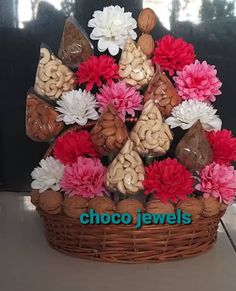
[[52, 77], [74, 206], [191, 206], [110, 132], [51, 202], [126, 172], [162, 91], [134, 66], [102, 205], [130, 206], [151, 136], [41, 124]]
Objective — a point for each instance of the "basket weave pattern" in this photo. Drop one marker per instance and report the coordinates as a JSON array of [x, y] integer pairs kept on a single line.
[[125, 244]]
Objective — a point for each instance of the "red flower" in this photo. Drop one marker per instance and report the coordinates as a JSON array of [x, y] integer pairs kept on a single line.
[[72, 145], [173, 54], [168, 180], [96, 71], [223, 146]]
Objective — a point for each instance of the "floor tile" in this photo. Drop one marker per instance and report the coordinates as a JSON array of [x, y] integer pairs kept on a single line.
[[229, 221]]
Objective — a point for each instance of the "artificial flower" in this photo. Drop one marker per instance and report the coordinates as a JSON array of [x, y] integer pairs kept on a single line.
[[223, 146], [189, 112], [77, 107], [84, 178], [172, 54], [111, 27], [218, 181], [72, 145], [198, 81], [124, 98], [168, 180], [96, 71], [47, 175]]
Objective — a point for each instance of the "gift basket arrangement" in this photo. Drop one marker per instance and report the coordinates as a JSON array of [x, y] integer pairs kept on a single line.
[[137, 135]]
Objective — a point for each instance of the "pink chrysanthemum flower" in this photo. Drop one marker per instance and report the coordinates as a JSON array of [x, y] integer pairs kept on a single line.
[[198, 81], [125, 99], [218, 181], [84, 178]]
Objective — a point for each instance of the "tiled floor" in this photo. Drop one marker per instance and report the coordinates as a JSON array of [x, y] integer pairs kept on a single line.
[[27, 263]]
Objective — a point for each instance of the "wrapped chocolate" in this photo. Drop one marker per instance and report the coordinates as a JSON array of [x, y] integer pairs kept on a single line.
[[75, 46], [110, 132], [135, 68], [193, 150], [74, 206], [130, 206], [41, 119], [102, 205], [51, 202], [162, 91], [126, 172], [151, 135], [53, 78]]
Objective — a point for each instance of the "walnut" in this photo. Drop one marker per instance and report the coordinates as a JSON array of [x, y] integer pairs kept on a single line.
[[156, 206], [223, 206], [147, 20], [50, 201], [211, 206], [191, 206], [74, 206], [102, 205], [146, 44], [130, 206], [35, 197]]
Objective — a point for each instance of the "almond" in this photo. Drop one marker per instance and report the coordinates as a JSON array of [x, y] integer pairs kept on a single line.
[[146, 44], [147, 20]]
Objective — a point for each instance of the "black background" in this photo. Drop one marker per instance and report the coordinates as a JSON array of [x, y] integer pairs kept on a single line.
[[214, 39]]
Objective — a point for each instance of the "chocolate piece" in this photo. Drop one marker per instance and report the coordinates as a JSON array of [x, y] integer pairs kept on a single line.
[[75, 46], [194, 151]]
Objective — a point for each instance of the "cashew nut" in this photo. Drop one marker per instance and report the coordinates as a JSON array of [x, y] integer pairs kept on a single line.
[[148, 106], [134, 175], [130, 81], [127, 148], [159, 150], [121, 159], [45, 56], [126, 72], [137, 76], [121, 188], [58, 94], [126, 164], [168, 131], [142, 131], [135, 138], [150, 139], [114, 167], [131, 159], [141, 176], [140, 169], [137, 157], [50, 85], [127, 183], [136, 62], [50, 69], [42, 76], [148, 146], [60, 83]]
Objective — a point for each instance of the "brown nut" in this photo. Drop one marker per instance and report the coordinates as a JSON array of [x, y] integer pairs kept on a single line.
[[35, 197], [50, 201], [130, 206], [191, 206], [211, 206], [102, 205], [156, 206], [146, 44], [147, 20], [74, 206]]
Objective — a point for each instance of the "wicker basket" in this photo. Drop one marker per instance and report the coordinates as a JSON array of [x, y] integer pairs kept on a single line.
[[124, 243]]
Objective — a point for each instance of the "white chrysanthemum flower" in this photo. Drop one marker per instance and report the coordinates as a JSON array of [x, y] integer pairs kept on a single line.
[[190, 111], [111, 27], [77, 107], [48, 175]]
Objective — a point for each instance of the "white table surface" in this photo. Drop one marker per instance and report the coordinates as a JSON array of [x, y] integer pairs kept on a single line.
[[27, 263]]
